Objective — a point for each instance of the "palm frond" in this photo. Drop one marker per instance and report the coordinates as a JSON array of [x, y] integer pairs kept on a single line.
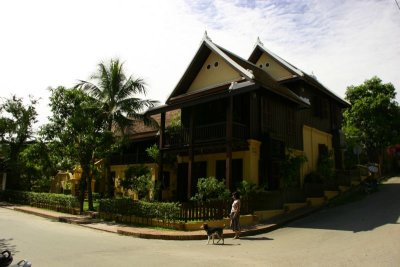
[[89, 87], [135, 105], [136, 86]]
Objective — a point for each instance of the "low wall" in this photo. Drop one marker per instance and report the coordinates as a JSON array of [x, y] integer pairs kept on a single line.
[[189, 226]]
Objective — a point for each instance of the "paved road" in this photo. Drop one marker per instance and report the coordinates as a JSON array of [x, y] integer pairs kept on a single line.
[[363, 233]]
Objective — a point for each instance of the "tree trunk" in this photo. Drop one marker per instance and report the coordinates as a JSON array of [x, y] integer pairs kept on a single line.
[[89, 189], [108, 177], [82, 187]]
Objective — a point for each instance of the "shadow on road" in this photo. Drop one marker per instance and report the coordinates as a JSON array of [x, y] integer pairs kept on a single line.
[[6, 244], [375, 210], [252, 238]]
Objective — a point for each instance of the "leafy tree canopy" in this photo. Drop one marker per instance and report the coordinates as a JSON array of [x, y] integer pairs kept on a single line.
[[16, 129], [117, 95], [374, 116], [78, 129], [118, 98], [16, 120], [138, 179]]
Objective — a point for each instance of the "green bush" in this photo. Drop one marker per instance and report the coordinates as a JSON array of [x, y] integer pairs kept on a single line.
[[40, 199], [138, 179], [246, 188], [209, 189], [291, 170], [167, 211]]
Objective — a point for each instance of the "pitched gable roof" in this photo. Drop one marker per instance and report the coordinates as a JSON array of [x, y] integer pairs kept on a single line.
[[266, 80], [206, 48], [259, 49], [247, 70], [297, 73]]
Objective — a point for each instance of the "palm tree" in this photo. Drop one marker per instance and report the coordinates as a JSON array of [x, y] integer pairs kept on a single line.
[[117, 95]]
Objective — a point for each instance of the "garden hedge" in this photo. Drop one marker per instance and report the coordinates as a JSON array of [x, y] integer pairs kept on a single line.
[[59, 202], [166, 211]]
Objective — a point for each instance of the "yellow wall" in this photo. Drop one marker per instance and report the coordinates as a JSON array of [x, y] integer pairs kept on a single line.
[[274, 69], [311, 139], [223, 73], [120, 174]]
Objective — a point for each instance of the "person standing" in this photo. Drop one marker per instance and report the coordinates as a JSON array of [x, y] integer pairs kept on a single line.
[[235, 215]]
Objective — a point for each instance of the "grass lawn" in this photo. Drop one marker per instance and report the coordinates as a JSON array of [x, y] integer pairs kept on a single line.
[[86, 205]]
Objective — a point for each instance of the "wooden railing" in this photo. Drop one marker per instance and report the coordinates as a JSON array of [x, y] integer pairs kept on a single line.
[[219, 209], [204, 133], [204, 211], [130, 159]]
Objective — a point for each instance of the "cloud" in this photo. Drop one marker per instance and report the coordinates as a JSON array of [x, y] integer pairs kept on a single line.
[[342, 42], [47, 43]]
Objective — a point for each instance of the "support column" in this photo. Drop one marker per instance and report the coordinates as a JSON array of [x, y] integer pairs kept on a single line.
[[229, 126], [161, 149], [191, 154], [254, 159]]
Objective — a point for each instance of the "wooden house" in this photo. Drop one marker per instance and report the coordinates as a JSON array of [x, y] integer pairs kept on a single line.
[[238, 119]]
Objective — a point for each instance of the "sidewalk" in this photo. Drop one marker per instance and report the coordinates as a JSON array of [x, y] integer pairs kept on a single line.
[[152, 233]]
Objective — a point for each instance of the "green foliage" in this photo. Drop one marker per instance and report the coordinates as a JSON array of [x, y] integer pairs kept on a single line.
[[290, 170], [78, 129], [38, 165], [117, 95], [209, 189], [117, 98], [153, 152], [167, 211], [325, 166], [138, 179], [175, 122], [16, 129], [246, 188], [52, 201], [374, 116]]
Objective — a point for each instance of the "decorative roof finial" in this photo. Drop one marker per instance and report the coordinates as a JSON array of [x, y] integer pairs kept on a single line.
[[205, 36], [259, 41]]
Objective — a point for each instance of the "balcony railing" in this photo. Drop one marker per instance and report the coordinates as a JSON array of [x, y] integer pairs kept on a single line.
[[134, 158], [204, 134]]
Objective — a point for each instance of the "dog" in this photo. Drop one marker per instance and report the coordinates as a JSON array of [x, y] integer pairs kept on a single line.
[[213, 232]]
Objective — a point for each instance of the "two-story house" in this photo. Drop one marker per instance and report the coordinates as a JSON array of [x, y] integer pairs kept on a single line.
[[238, 119]]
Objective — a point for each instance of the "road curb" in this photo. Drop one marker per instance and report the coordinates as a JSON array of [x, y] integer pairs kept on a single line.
[[173, 235]]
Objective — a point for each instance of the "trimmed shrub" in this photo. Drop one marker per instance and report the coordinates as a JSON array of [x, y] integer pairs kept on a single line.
[[60, 202], [166, 211]]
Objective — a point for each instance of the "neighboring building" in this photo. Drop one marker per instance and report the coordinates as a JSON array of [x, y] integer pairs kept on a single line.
[[238, 119]]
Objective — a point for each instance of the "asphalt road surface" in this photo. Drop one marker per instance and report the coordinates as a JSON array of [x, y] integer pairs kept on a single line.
[[362, 233]]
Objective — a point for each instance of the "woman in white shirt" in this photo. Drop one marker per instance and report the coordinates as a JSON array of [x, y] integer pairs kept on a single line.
[[235, 215]]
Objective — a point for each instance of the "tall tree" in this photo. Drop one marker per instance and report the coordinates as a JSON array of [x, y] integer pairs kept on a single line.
[[118, 97], [374, 117], [78, 127], [16, 128]]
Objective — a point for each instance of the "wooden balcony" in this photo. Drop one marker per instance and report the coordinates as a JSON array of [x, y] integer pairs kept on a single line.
[[133, 158], [204, 134]]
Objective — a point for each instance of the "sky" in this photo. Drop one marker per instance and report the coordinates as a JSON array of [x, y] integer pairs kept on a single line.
[[51, 43]]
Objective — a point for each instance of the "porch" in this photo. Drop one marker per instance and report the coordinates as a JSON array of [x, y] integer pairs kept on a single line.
[[209, 133]]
